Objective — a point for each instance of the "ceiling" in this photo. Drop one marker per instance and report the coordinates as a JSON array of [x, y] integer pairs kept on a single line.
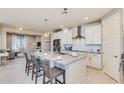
[[33, 18]]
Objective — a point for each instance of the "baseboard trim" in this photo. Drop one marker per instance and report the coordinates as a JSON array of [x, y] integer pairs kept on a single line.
[[94, 68], [112, 78]]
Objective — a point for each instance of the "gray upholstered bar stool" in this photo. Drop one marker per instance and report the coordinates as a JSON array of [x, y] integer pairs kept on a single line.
[[37, 68], [29, 64], [52, 73]]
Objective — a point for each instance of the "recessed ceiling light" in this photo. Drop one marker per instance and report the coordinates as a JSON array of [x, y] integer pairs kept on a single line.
[[86, 18], [61, 26], [49, 33], [20, 28], [65, 30], [45, 35]]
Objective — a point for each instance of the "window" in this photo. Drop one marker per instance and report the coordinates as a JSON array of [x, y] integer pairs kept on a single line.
[[19, 43]]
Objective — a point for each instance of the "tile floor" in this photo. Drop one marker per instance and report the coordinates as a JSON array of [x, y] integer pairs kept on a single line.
[[94, 76], [13, 73]]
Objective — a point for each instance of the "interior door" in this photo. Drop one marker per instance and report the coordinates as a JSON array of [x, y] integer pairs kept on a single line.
[[111, 45]]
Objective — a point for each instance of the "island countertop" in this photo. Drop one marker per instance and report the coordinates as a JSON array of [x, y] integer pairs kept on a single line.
[[66, 58]]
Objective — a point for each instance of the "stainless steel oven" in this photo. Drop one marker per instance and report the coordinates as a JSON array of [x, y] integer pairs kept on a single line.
[[56, 45]]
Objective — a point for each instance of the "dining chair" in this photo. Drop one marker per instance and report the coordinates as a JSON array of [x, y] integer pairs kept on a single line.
[[52, 73], [37, 69], [29, 64]]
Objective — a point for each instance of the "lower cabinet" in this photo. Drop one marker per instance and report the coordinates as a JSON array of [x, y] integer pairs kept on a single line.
[[94, 60]]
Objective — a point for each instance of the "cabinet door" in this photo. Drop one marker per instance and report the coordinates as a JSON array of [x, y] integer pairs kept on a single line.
[[89, 36], [68, 35], [58, 35], [54, 36], [63, 39], [96, 61], [93, 34], [96, 34], [74, 32], [89, 60]]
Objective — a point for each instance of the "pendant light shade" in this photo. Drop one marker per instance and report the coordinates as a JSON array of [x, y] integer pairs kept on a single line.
[[65, 12]]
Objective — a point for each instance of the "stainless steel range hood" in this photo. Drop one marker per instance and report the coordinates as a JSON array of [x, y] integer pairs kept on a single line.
[[79, 36]]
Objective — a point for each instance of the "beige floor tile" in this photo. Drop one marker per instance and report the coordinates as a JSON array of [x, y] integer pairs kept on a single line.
[[13, 73]]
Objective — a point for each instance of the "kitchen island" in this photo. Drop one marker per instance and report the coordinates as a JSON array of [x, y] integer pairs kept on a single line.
[[75, 67]]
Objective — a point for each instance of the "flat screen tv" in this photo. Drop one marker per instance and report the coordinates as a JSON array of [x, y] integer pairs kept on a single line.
[[38, 44]]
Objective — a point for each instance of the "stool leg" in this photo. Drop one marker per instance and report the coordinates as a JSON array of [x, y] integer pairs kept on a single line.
[[28, 71], [32, 72], [26, 68], [36, 75], [55, 81], [43, 77], [64, 78], [51, 81]]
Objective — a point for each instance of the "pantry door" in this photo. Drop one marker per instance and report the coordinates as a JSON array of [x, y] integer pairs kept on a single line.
[[111, 45]]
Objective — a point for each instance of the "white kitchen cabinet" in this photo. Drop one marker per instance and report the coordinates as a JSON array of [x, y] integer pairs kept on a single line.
[[89, 36], [66, 37], [94, 60], [74, 31], [57, 35], [54, 36], [69, 36], [93, 34]]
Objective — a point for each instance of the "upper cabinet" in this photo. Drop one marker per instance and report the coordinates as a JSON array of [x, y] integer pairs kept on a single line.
[[66, 37], [57, 35], [74, 31], [93, 34]]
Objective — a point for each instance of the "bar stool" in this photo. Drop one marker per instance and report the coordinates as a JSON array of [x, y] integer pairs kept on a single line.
[[29, 64], [37, 68], [52, 73]]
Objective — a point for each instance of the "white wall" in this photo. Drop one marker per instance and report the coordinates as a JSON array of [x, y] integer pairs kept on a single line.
[[0, 40], [123, 33], [3, 39]]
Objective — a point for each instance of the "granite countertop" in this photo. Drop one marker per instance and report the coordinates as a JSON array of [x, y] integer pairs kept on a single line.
[[66, 59], [85, 52]]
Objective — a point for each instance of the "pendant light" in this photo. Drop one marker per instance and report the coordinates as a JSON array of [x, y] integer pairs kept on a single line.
[[65, 12], [46, 24], [45, 35], [20, 28]]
